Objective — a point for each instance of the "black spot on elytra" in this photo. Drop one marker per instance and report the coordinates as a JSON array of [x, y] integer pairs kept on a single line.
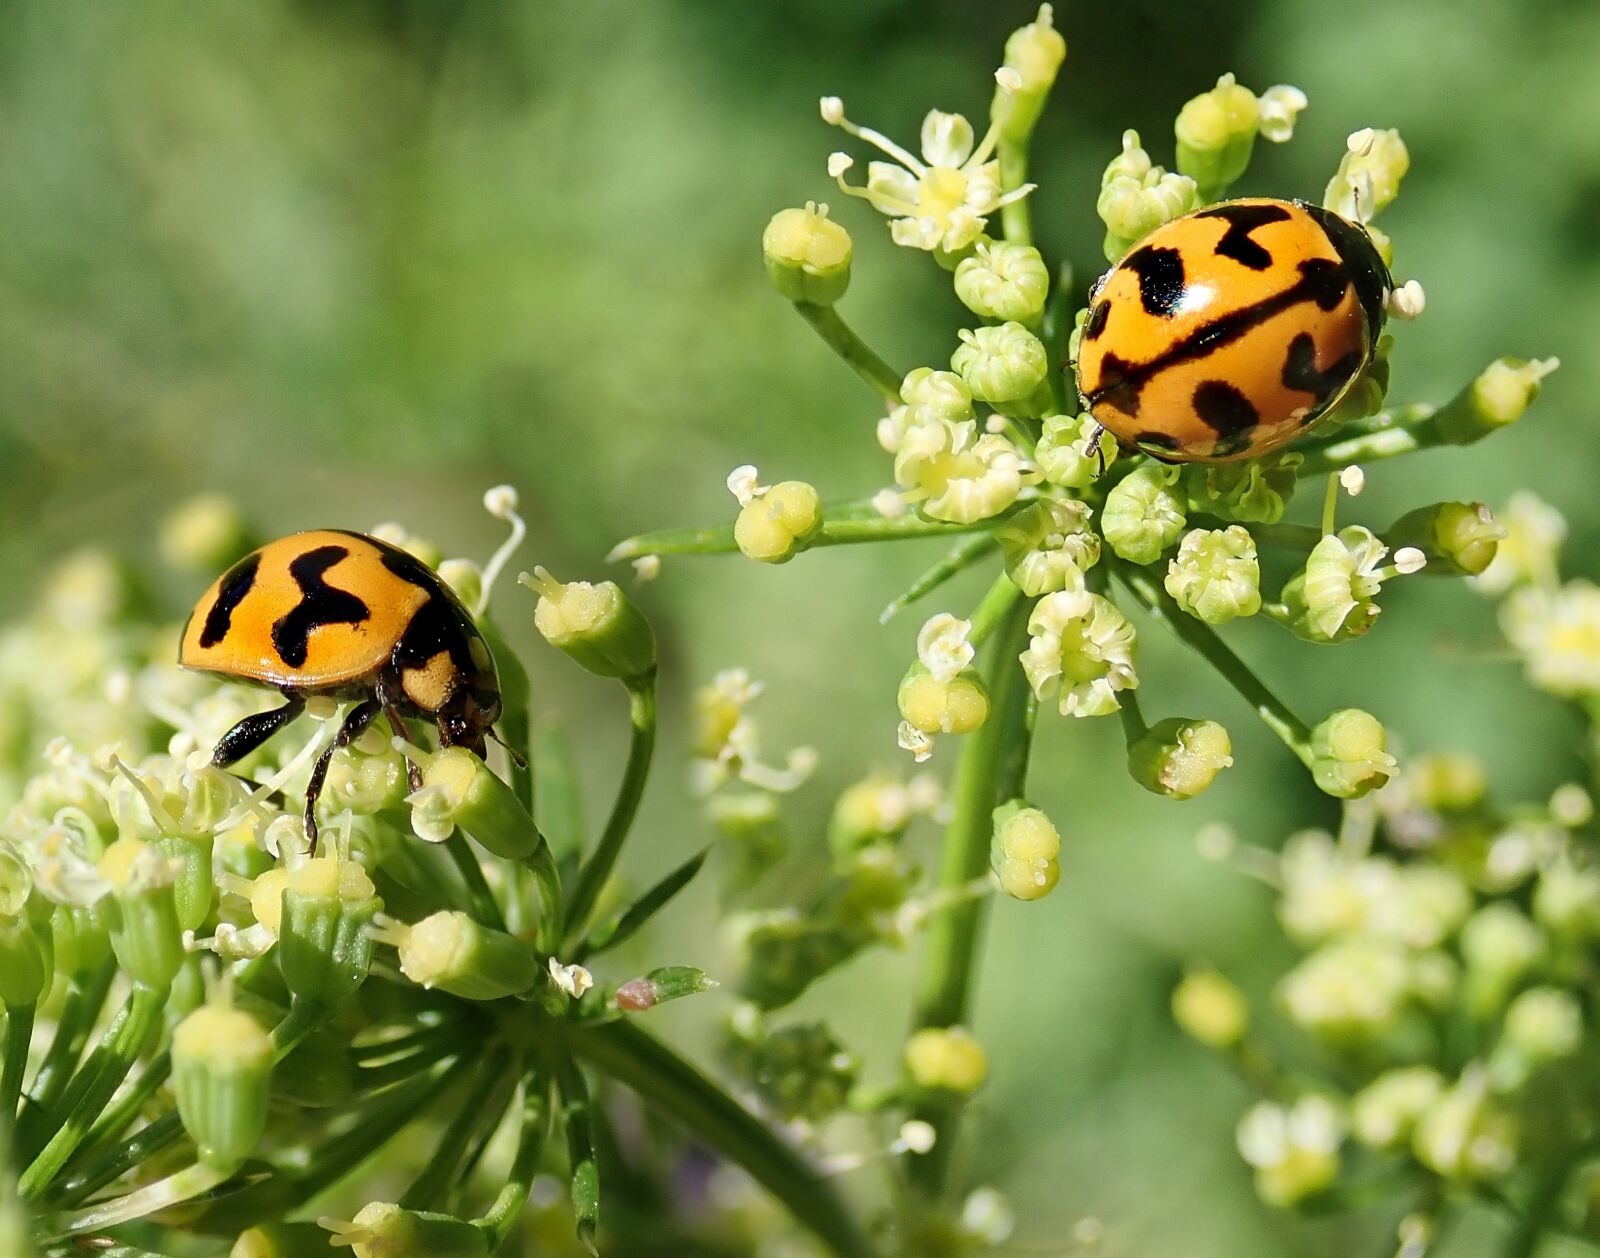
[[1322, 281], [320, 604], [1242, 219], [1300, 371], [1161, 279], [1095, 324], [236, 583], [1361, 259], [1224, 409]]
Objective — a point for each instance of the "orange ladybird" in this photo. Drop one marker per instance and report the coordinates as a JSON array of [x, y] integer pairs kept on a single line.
[[1230, 331], [342, 614]]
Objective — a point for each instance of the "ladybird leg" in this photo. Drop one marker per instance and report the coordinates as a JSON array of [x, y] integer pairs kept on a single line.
[[354, 725], [251, 732], [398, 724], [1099, 450]]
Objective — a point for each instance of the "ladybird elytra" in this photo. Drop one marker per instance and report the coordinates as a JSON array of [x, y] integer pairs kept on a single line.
[[1228, 332], [342, 614]]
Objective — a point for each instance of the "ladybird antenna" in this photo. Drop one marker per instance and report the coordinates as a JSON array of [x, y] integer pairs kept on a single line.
[[517, 758]]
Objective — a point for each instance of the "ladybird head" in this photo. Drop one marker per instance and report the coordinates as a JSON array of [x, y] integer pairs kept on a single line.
[[469, 717]]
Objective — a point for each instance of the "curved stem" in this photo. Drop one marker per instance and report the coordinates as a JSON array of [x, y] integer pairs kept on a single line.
[[841, 338], [104, 1072], [534, 1130], [86, 996], [143, 1144], [641, 750], [483, 1100], [961, 556], [164, 1193], [681, 1093], [484, 906], [996, 750], [1201, 638], [19, 1034]]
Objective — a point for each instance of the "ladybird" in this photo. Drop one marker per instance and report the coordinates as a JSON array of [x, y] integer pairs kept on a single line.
[[346, 615], [1228, 332]]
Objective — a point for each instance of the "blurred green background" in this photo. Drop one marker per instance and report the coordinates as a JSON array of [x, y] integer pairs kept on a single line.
[[357, 261]]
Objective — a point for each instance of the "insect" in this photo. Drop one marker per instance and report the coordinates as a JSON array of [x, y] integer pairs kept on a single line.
[[341, 614], [1228, 332]]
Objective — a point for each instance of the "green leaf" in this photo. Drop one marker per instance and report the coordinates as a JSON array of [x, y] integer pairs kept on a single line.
[[619, 928]]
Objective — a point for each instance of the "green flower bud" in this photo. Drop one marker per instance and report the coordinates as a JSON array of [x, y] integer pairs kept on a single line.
[[877, 810], [1447, 782], [457, 954], [1497, 398], [1216, 133], [143, 911], [1350, 754], [382, 1230], [1024, 851], [935, 706], [1136, 197], [1215, 576], [1369, 175], [946, 1059], [597, 625], [80, 940], [465, 580], [1144, 513], [803, 1072], [1003, 281], [807, 255], [1499, 947], [324, 915], [194, 887], [1180, 756], [1349, 991], [1542, 1025], [1366, 395], [367, 779], [1254, 492], [671, 982], [419, 548], [458, 789], [205, 534], [1001, 364], [934, 394], [1034, 54], [782, 952], [1080, 653], [1073, 450], [222, 1075], [1464, 1135], [1049, 546], [1332, 598], [1211, 1009], [1294, 1149], [25, 944], [1385, 1113], [873, 886], [776, 524], [1566, 900], [1459, 538]]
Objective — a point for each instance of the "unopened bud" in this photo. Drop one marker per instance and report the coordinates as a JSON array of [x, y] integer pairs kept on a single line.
[[807, 255]]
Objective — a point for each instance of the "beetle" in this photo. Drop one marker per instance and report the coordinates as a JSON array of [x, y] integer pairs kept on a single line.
[[345, 615], [1228, 332]]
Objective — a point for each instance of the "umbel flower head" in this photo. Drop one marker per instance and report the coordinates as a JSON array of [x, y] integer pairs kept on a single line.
[[941, 200], [1080, 653]]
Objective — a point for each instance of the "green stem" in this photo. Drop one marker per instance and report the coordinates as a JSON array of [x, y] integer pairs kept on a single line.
[[304, 1017], [1537, 1217], [841, 338], [1134, 726], [185, 1185], [534, 1130], [680, 1092], [395, 1070], [484, 906], [991, 611], [86, 996], [1202, 639], [960, 557], [143, 1144], [945, 984], [641, 751], [19, 1034], [843, 524], [578, 1119], [1368, 447], [125, 1108], [1016, 219], [104, 1072], [484, 1100]]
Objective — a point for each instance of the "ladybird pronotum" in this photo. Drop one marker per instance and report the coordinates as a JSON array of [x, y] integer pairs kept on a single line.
[[342, 614], [1228, 332]]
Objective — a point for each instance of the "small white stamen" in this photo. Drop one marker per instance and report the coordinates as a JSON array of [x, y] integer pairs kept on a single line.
[[1009, 77], [1409, 559], [917, 1136], [1360, 142], [995, 424], [832, 110], [889, 503], [744, 484], [912, 739], [1408, 301], [647, 567], [572, 979], [838, 163], [1353, 479], [500, 502]]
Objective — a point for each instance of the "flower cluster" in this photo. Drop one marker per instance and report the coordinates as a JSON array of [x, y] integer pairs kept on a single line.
[[1443, 997], [1093, 547], [203, 1008]]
